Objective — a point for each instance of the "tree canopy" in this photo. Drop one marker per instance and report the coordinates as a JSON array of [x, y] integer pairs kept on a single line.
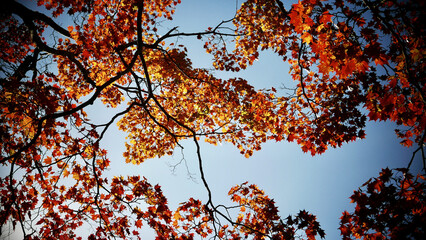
[[351, 61]]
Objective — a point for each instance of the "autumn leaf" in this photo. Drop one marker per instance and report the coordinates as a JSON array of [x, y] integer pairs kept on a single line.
[[349, 60]]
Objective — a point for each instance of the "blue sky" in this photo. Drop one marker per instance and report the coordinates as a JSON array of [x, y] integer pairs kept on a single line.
[[321, 185]]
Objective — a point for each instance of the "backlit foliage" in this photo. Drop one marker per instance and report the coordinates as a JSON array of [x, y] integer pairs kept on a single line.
[[391, 206], [352, 61]]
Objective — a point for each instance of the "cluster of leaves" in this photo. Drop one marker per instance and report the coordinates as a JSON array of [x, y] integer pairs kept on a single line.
[[111, 52], [344, 55], [259, 217], [391, 206]]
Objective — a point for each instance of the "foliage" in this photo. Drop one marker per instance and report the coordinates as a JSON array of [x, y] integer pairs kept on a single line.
[[388, 207], [344, 56]]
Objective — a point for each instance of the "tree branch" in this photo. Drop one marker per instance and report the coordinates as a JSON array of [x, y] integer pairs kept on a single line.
[[21, 10]]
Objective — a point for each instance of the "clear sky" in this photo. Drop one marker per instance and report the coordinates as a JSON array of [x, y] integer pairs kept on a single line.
[[321, 185]]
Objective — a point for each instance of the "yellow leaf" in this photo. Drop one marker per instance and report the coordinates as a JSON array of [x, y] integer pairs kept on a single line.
[[66, 173], [177, 216], [307, 38]]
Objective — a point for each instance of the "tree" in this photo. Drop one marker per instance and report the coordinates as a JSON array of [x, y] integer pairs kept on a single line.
[[344, 56], [389, 207]]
